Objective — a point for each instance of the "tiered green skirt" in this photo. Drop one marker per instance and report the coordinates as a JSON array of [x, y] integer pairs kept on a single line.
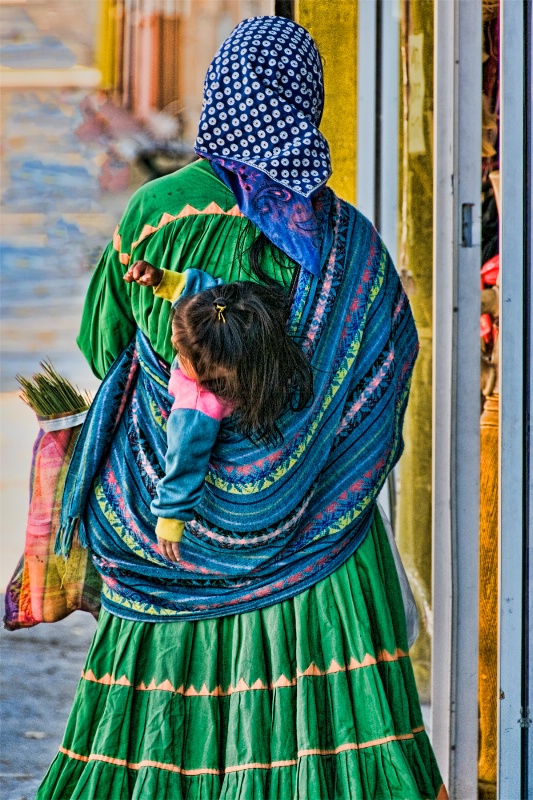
[[310, 699]]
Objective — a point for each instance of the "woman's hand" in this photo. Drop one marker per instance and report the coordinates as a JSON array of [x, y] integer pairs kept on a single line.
[[143, 273], [170, 550]]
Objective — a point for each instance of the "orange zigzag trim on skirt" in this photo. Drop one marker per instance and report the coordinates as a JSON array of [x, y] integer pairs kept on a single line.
[[121, 762], [282, 682], [186, 211]]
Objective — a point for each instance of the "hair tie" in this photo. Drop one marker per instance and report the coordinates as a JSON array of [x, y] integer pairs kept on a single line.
[[220, 312]]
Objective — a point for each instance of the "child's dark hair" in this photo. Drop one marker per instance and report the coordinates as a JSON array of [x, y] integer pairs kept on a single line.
[[236, 339]]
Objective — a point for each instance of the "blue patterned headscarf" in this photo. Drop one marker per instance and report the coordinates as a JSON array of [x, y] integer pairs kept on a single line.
[[263, 101]]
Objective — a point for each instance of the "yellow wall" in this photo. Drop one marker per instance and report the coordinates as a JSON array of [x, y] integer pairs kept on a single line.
[[416, 269], [333, 26], [105, 45]]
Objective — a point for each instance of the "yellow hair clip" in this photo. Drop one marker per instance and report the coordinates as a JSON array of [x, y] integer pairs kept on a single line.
[[220, 311]]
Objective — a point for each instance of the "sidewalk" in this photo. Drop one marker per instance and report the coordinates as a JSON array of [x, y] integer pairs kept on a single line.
[[40, 668]]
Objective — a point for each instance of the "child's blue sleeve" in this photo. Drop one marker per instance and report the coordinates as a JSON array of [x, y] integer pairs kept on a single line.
[[191, 436], [175, 285], [197, 281]]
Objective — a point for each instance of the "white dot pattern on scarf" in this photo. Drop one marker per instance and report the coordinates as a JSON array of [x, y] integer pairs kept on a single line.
[[263, 99]]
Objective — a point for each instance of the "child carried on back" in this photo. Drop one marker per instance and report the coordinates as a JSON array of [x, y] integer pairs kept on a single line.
[[233, 356]]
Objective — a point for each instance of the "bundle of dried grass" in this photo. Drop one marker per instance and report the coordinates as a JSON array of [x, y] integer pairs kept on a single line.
[[49, 394]]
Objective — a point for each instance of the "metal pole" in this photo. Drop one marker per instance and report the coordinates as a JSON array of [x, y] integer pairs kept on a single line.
[[512, 713], [366, 109], [443, 302], [388, 146], [387, 166], [457, 259], [528, 572]]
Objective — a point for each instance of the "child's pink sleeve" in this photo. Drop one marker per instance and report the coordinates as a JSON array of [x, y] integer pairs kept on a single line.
[[187, 394]]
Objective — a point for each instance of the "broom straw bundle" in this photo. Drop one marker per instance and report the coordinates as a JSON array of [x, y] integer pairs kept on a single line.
[[48, 393]]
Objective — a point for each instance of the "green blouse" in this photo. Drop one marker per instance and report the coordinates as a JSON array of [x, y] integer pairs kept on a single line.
[[187, 219]]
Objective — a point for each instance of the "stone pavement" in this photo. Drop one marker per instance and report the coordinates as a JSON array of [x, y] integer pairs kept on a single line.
[[40, 668]]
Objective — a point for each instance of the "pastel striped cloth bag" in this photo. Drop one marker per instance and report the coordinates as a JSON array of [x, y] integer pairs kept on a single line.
[[46, 587]]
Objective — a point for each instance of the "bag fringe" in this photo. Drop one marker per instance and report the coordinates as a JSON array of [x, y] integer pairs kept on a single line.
[[65, 534]]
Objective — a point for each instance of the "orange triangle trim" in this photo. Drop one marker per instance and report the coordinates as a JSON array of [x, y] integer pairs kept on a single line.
[[186, 211], [241, 686], [282, 682], [166, 686], [368, 661], [443, 794], [165, 219], [384, 655], [117, 240], [312, 669], [234, 212], [146, 231]]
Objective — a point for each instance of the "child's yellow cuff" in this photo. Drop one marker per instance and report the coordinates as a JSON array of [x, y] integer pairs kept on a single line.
[[170, 286], [169, 529]]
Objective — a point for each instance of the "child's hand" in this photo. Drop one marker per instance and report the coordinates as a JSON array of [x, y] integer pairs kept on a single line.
[[170, 550], [143, 273]]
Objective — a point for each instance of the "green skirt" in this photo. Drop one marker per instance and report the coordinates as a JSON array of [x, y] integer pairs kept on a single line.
[[310, 699]]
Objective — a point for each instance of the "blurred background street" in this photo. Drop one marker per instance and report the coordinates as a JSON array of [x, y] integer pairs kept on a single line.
[[55, 218], [90, 110]]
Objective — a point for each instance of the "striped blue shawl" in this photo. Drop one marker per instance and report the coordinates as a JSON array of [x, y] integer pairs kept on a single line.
[[272, 522]]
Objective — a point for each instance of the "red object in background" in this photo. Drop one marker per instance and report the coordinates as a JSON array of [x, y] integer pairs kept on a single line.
[[489, 277], [490, 271], [114, 175], [486, 328]]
